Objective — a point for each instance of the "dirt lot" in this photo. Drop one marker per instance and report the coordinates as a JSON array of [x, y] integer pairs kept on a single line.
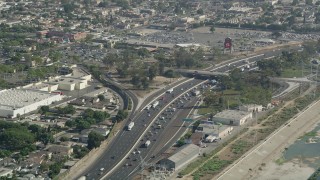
[[287, 171]]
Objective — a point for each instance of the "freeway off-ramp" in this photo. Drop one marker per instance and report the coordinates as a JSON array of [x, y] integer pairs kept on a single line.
[[125, 140]]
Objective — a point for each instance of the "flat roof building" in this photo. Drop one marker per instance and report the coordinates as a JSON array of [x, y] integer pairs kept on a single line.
[[232, 117], [186, 154], [14, 102], [208, 128]]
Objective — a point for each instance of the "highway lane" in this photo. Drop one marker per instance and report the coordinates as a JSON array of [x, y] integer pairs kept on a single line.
[[163, 144], [126, 139], [170, 125]]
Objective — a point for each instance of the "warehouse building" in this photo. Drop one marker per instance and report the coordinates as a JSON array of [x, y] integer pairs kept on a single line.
[[232, 117], [76, 81], [16, 102], [186, 154], [251, 108], [208, 128]]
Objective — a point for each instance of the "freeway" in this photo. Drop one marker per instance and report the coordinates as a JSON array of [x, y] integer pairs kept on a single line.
[[114, 157], [127, 139]]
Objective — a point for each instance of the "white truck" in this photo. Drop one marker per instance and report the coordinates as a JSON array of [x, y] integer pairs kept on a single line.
[[147, 143], [155, 104], [148, 107], [170, 90], [211, 138], [196, 92], [130, 126]]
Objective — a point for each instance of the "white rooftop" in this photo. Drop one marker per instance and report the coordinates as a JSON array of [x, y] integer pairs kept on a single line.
[[184, 153], [188, 45], [232, 114], [17, 98]]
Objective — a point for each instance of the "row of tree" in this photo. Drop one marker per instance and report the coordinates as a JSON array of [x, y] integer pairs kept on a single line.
[[89, 117], [21, 137]]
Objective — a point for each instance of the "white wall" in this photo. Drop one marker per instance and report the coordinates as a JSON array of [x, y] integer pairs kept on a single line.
[[29, 108]]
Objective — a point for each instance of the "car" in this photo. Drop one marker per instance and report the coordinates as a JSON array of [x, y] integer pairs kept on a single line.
[[138, 152], [101, 169]]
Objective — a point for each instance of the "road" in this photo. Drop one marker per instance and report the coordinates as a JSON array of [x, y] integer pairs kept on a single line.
[[274, 144], [126, 140]]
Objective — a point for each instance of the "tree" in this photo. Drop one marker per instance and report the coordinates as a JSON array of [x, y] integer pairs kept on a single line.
[[136, 81], [212, 29], [145, 83], [44, 109], [94, 139], [16, 138], [45, 138], [152, 72], [101, 97], [309, 2], [200, 11], [121, 115], [34, 128], [70, 123], [294, 2], [55, 169], [64, 139]]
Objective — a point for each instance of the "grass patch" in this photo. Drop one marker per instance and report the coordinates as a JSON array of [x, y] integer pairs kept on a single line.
[[311, 134], [290, 73], [231, 92], [280, 161], [239, 147], [213, 166], [204, 110]]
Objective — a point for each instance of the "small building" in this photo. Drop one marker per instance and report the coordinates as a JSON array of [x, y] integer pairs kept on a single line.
[[232, 117], [103, 131], [251, 108], [208, 128], [5, 172], [183, 156], [265, 41], [58, 150]]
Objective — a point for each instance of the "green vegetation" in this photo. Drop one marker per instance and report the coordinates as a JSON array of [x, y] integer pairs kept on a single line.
[[21, 137], [94, 140], [271, 122], [121, 115], [212, 166], [69, 109], [280, 161], [289, 73], [315, 175], [79, 152], [88, 118], [311, 134], [239, 147]]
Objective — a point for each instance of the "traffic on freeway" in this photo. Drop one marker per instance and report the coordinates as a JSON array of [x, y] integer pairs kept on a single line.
[[114, 162], [126, 139]]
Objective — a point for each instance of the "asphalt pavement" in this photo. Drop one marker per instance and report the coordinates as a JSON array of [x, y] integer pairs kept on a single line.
[[125, 140]]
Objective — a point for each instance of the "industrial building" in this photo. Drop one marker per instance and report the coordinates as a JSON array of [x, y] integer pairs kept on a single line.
[[251, 108], [76, 81], [208, 128], [16, 102], [232, 117], [186, 154]]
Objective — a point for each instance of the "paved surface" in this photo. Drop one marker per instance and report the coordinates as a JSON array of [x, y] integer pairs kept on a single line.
[[125, 140], [276, 142]]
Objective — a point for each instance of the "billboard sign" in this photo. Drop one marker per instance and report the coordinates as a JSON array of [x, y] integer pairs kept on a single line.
[[228, 43]]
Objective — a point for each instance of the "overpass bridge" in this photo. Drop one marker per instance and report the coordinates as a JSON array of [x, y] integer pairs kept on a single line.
[[200, 73]]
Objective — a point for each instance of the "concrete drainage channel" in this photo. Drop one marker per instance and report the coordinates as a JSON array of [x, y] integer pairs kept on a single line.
[[150, 124]]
